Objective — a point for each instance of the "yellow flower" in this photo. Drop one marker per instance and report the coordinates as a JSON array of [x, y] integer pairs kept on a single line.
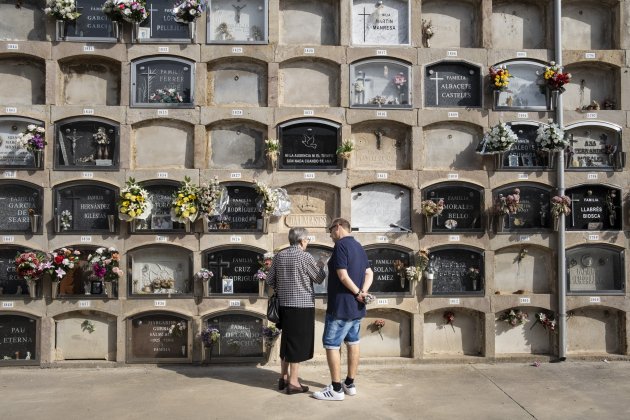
[[180, 195], [128, 196], [123, 210], [185, 214], [132, 213], [193, 210]]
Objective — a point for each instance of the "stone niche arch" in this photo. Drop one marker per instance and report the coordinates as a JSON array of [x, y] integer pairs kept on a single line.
[[148, 135], [524, 269], [595, 270], [534, 213], [454, 23], [590, 25], [85, 335], [21, 343], [76, 147], [159, 336], [309, 82], [155, 270], [237, 81], [241, 337], [25, 23], [452, 145], [382, 145], [526, 338], [22, 80], [595, 144], [463, 206], [314, 205], [89, 80], [309, 23], [381, 83], [394, 339], [596, 330], [236, 144], [452, 267], [381, 207], [592, 84], [520, 24], [464, 337]]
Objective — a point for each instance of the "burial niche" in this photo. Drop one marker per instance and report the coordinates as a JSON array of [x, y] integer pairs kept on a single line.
[[532, 213], [594, 207], [382, 145], [11, 155], [21, 209], [594, 86], [80, 281], [595, 147], [87, 335], [380, 83], [309, 23], [380, 22], [19, 339], [388, 265], [309, 144], [160, 196], [523, 269], [241, 338], [451, 24], [180, 150], [159, 337], [309, 82], [589, 25], [162, 82], [11, 285], [449, 84], [233, 270], [320, 253], [237, 22], [313, 205], [90, 81], [22, 23], [381, 207], [242, 213], [22, 81], [161, 25], [85, 208], [525, 153], [452, 146], [93, 25], [237, 82], [87, 142], [526, 90], [237, 145], [160, 270], [519, 25], [457, 271], [596, 330], [595, 269], [463, 206]]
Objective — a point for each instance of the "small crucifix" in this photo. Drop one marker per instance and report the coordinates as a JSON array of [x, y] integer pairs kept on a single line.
[[74, 137], [150, 74], [379, 136], [237, 9]]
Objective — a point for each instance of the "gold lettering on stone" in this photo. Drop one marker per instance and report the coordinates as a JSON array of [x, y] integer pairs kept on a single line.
[[306, 220]]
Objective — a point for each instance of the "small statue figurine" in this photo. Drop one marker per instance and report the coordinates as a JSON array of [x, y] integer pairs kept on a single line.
[[427, 33]]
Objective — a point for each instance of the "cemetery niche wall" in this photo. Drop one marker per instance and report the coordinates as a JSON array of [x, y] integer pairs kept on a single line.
[[382, 145], [313, 205], [525, 153], [11, 155], [241, 338], [242, 212], [237, 22], [19, 339], [388, 265], [309, 23], [237, 145], [594, 146], [160, 270], [381, 207], [380, 83], [160, 196], [594, 207], [26, 78], [90, 81], [233, 270], [527, 90], [451, 84], [533, 213], [595, 269], [451, 24], [237, 82], [21, 205], [85, 208], [92, 143], [380, 22], [159, 337], [463, 206], [525, 22], [309, 144], [162, 82], [457, 271]]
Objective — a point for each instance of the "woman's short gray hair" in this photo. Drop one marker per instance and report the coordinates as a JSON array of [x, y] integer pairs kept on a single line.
[[297, 234]]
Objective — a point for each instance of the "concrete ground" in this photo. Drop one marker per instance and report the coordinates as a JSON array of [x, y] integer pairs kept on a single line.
[[567, 390]]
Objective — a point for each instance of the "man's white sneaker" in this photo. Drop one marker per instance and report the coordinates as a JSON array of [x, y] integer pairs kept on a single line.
[[349, 389], [329, 394]]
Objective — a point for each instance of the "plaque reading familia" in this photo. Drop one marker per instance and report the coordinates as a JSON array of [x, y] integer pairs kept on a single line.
[[462, 207], [162, 82], [237, 21], [92, 25], [159, 336], [594, 207], [457, 271], [309, 144], [594, 268], [242, 213], [594, 147], [12, 156], [16, 202], [452, 84], [238, 266], [241, 336], [85, 208], [89, 143], [18, 339], [388, 266]]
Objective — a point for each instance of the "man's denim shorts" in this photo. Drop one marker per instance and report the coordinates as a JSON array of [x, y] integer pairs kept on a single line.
[[338, 330]]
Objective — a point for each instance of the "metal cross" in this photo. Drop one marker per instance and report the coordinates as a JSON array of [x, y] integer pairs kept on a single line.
[[219, 264], [364, 14], [437, 79], [74, 139], [149, 75]]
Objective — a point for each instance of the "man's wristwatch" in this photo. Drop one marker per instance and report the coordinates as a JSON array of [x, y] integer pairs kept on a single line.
[[358, 294]]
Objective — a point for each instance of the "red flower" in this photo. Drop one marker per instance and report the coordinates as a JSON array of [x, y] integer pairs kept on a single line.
[[58, 259]]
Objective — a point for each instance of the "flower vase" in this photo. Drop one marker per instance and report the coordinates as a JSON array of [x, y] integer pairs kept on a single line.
[[34, 222], [612, 219], [428, 224], [192, 31], [109, 288], [135, 32], [500, 223], [551, 159], [188, 226], [117, 30], [131, 226], [429, 282], [111, 223], [32, 288], [474, 285], [403, 279], [60, 30], [263, 224], [272, 162], [556, 224], [105, 152], [37, 158], [206, 287], [54, 290], [261, 288], [552, 98], [498, 161]]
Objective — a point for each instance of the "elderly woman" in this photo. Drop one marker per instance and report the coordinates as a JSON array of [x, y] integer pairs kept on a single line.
[[291, 275]]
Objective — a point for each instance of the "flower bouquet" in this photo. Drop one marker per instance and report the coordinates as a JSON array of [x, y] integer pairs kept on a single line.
[[105, 264], [185, 204], [65, 220], [132, 11], [555, 77], [203, 275], [186, 11], [270, 333], [401, 271], [62, 9], [133, 202], [213, 198], [209, 337], [412, 273], [272, 149], [546, 321], [430, 208], [499, 77], [166, 96], [399, 80], [473, 275], [272, 201], [32, 139], [551, 137], [61, 262], [560, 206], [377, 326], [31, 265], [100, 137], [508, 205], [422, 259], [177, 329], [449, 317], [499, 139], [345, 150], [514, 317]]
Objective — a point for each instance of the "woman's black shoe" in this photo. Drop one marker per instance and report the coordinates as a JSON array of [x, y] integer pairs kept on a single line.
[[281, 384], [295, 389]]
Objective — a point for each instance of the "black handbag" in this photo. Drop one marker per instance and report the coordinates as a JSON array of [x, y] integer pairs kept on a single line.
[[273, 309]]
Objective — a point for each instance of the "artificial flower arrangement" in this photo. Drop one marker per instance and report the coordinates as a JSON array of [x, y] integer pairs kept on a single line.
[[100, 137], [106, 264], [499, 77], [31, 265], [422, 259], [270, 333], [546, 321], [272, 201], [203, 275], [499, 139], [449, 318], [377, 326], [555, 77], [61, 261], [399, 80], [177, 329], [345, 150], [185, 204], [166, 96], [187, 11], [430, 208], [130, 11], [32, 139], [209, 336], [159, 284], [401, 268], [514, 317], [66, 220], [213, 198], [62, 9], [133, 202], [551, 137], [265, 265], [510, 204], [272, 148], [412, 273], [610, 205], [474, 275], [560, 206]]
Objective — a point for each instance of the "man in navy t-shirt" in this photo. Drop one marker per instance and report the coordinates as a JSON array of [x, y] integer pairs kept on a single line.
[[349, 280]]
